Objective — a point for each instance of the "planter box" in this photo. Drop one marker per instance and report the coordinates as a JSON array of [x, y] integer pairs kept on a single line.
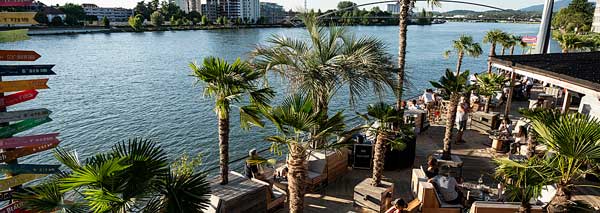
[[373, 198]]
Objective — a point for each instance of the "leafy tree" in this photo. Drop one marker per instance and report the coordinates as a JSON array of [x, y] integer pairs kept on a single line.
[[345, 4], [464, 46], [57, 21], [575, 138], [452, 87], [105, 22], [204, 21], [225, 21], [41, 18], [220, 20], [300, 124], [523, 180], [194, 16], [157, 19], [577, 17], [74, 12], [133, 177], [333, 59], [136, 22], [170, 9], [493, 37], [141, 8], [228, 84], [569, 41], [488, 85]]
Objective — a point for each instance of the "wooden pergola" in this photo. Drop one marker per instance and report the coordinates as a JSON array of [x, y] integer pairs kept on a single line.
[[574, 72]]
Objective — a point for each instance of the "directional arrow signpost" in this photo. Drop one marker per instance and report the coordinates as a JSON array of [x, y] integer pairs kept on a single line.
[[6, 195], [23, 114], [18, 70], [17, 18], [16, 180], [12, 129], [21, 152], [18, 97], [35, 140], [15, 3], [29, 169], [14, 207], [13, 86], [18, 55]]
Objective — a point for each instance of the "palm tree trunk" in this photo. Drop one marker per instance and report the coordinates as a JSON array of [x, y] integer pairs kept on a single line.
[[531, 143], [503, 50], [512, 50], [224, 148], [492, 53], [450, 119], [561, 199], [378, 159], [402, 37], [296, 178], [525, 207], [459, 63]]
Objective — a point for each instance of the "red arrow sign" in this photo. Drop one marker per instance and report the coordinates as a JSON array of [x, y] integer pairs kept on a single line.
[[15, 3], [529, 39], [27, 141], [18, 55], [18, 97], [14, 207], [20, 152]]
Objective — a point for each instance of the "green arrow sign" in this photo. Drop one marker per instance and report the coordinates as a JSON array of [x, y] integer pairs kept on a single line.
[[22, 126], [29, 168]]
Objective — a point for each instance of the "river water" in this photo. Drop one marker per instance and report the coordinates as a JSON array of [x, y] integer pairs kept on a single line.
[[111, 87]]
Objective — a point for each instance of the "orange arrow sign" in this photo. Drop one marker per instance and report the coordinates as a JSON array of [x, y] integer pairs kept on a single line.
[[17, 18], [20, 152], [13, 86], [18, 55]]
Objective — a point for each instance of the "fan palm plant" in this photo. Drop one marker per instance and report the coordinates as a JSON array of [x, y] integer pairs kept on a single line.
[[493, 37], [464, 46], [331, 59], [384, 116], [452, 87], [133, 177], [516, 41], [488, 84], [508, 43], [300, 124], [576, 140], [230, 84], [405, 8], [523, 180], [569, 41]]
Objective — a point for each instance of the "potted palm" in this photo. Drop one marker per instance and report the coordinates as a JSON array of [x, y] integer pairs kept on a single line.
[[523, 181], [487, 85]]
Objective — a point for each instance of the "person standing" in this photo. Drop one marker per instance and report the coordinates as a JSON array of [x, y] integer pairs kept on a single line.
[[462, 115]]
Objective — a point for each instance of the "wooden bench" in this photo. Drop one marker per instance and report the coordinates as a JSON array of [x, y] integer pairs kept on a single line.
[[500, 207], [276, 198]]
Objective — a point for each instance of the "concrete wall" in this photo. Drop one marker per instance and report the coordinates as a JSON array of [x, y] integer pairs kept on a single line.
[[590, 104]]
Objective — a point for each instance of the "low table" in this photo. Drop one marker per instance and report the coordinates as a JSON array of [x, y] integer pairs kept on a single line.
[[454, 162]]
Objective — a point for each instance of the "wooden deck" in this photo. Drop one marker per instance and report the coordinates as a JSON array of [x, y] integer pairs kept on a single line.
[[476, 155]]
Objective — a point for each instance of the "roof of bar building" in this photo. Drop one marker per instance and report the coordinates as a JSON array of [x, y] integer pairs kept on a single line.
[[579, 68]]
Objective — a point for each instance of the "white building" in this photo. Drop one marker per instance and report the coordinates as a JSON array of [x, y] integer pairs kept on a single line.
[[250, 10], [393, 8], [113, 14], [182, 4], [596, 23], [52, 12]]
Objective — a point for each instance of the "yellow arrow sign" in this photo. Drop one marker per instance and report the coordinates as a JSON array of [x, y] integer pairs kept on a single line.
[[13, 181], [13, 86], [17, 18]]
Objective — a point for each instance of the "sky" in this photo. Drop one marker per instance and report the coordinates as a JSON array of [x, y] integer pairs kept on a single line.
[[325, 4]]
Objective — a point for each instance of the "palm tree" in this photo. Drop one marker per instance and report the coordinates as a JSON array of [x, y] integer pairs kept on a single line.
[[405, 8], [385, 116], [228, 84], [464, 45], [516, 40], [576, 140], [300, 124], [488, 84], [508, 42], [330, 60], [493, 37], [569, 41], [452, 87], [134, 176], [523, 180]]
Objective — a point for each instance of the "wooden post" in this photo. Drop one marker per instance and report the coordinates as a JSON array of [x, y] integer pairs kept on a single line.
[[566, 102], [510, 94], [12, 162]]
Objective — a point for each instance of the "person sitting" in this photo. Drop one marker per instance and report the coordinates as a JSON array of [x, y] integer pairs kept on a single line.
[[505, 129], [520, 139], [447, 186], [432, 168], [251, 167], [399, 206], [412, 105]]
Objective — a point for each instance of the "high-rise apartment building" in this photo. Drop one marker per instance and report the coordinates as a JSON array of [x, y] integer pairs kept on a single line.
[[250, 10], [182, 4], [596, 23], [393, 8], [272, 13]]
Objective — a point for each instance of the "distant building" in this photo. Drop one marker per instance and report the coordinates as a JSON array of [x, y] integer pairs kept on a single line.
[[230, 9], [250, 10], [393, 8], [272, 13], [195, 5], [596, 23], [182, 4], [52, 12], [211, 9], [113, 14]]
